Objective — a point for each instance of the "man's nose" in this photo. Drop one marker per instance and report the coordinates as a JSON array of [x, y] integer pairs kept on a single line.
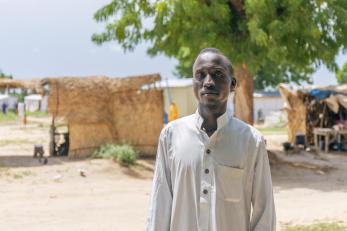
[[208, 81]]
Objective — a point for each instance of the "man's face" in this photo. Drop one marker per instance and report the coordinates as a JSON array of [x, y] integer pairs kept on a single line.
[[212, 81]]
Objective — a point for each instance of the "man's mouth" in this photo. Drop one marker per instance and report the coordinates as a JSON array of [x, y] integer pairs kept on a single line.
[[209, 93]]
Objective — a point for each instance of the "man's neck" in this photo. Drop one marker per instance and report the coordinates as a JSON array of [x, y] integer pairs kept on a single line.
[[210, 116]]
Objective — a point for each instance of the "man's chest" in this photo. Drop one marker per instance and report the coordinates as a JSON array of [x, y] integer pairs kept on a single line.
[[194, 149]]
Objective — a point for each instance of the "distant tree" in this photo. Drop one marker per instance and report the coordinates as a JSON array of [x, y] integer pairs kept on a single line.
[[267, 41], [4, 76], [341, 75]]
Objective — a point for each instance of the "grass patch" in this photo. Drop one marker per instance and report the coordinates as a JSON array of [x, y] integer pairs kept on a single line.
[[10, 116], [335, 226], [276, 131], [37, 114], [4, 171], [17, 176], [124, 154], [26, 173]]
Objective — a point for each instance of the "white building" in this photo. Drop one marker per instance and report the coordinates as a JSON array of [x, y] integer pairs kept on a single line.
[[265, 103], [181, 92], [10, 100], [33, 102]]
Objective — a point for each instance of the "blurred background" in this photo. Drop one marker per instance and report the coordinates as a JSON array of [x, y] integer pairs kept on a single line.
[[87, 86]]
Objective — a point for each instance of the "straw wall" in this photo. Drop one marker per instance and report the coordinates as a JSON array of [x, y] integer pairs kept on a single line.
[[138, 117], [84, 138], [296, 112]]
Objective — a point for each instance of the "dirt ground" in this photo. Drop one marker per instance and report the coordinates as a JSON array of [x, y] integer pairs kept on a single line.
[[34, 196]]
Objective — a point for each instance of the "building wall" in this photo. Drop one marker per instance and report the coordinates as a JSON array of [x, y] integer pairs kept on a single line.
[[11, 101], [32, 105], [184, 99], [267, 105]]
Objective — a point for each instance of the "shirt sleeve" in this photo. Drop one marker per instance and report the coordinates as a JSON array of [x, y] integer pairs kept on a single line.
[[159, 216], [263, 215]]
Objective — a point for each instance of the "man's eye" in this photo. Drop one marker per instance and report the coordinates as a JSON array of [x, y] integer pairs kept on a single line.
[[199, 75], [218, 74]]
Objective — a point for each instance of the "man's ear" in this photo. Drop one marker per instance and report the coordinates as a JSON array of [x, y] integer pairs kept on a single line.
[[233, 84]]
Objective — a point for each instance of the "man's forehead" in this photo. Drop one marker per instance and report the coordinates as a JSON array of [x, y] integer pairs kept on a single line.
[[210, 59]]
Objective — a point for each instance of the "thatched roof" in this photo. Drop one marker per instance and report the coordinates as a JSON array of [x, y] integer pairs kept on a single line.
[[23, 84], [113, 84], [339, 89]]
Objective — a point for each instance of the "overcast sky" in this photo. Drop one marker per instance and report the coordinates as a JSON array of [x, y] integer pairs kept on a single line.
[[51, 38]]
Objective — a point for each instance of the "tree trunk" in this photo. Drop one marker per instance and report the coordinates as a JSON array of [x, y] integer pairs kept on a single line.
[[243, 98]]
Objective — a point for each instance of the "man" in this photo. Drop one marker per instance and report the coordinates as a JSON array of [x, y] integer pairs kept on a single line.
[[212, 170]]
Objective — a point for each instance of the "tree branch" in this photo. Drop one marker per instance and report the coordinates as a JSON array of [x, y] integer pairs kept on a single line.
[[238, 5]]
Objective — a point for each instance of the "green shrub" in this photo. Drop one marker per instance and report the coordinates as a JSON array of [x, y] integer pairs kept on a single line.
[[107, 151], [124, 154]]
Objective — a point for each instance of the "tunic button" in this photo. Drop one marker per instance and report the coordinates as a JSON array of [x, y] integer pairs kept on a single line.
[[205, 191], [208, 151], [207, 171]]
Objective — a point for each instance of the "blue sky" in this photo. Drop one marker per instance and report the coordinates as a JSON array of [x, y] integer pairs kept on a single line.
[[52, 38]]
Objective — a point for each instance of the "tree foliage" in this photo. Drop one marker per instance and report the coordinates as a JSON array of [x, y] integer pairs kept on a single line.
[[4, 76], [279, 40], [341, 75]]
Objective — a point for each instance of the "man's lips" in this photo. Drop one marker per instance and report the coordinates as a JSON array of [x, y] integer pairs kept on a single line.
[[209, 93]]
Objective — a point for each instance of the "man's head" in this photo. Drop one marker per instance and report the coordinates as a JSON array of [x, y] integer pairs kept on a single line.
[[213, 78]]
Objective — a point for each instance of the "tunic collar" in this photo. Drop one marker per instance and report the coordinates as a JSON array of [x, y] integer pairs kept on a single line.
[[222, 120]]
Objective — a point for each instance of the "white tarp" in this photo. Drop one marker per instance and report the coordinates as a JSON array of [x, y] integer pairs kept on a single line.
[[21, 109], [10, 100], [342, 100], [32, 102], [3, 97], [333, 103]]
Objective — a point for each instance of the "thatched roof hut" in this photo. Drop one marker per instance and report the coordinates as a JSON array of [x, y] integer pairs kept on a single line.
[[306, 112], [100, 110], [33, 85]]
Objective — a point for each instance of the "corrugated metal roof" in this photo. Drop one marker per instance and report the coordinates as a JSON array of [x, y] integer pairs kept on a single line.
[[259, 94], [3, 97], [174, 83], [33, 97]]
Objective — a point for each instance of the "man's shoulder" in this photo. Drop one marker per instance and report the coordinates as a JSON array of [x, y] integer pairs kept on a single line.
[[180, 123], [245, 130]]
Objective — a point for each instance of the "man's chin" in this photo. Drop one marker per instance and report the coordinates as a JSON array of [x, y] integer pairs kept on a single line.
[[210, 103]]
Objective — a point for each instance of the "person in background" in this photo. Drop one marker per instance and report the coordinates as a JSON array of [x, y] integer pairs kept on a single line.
[[173, 112], [165, 117], [4, 108]]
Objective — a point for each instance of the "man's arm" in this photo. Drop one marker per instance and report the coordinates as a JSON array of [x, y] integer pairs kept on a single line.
[[263, 215], [159, 216]]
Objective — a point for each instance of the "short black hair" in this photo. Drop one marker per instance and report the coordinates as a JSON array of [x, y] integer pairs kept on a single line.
[[211, 50], [217, 51]]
